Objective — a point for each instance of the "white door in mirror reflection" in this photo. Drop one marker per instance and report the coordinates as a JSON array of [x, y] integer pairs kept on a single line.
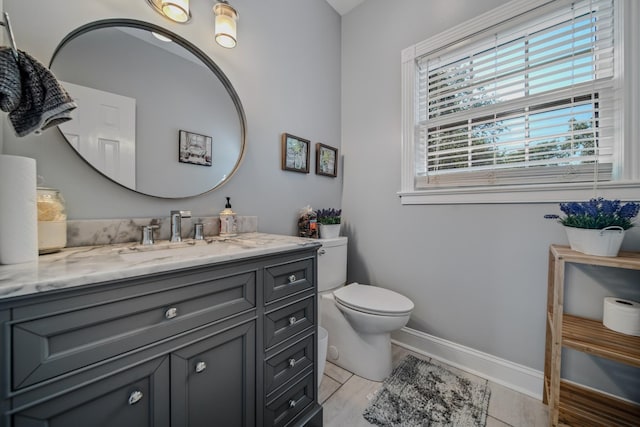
[[103, 131]]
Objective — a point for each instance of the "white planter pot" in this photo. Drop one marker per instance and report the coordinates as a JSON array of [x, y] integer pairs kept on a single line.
[[605, 242], [329, 231]]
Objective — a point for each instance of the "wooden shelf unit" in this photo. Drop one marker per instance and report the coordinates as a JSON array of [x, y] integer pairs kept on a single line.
[[570, 403]]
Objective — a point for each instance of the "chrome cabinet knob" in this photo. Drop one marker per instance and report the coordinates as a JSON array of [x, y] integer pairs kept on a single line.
[[321, 251], [292, 363], [171, 313], [135, 397], [292, 403], [292, 278], [200, 366], [292, 320]]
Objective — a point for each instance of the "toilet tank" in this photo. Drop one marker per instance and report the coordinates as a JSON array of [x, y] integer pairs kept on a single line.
[[332, 263]]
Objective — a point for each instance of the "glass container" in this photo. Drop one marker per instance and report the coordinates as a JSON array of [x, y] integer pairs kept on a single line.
[[52, 220]]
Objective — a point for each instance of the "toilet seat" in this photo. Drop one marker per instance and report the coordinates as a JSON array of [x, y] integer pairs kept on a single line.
[[373, 300]]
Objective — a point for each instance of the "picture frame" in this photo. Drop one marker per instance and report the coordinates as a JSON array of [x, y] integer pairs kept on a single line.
[[194, 148], [326, 160], [295, 153]]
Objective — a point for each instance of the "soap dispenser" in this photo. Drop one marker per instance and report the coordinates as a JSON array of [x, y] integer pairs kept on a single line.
[[228, 221]]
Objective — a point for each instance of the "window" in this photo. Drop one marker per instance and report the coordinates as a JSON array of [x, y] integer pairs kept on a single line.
[[529, 101]]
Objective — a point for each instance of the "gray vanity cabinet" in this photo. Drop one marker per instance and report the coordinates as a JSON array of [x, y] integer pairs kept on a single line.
[[226, 344]]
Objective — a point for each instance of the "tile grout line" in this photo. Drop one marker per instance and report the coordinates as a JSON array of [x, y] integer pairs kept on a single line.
[[337, 380], [334, 392], [339, 387], [498, 419]]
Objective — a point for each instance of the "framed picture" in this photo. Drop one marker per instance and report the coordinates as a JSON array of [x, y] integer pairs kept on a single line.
[[326, 160], [194, 148], [295, 153]]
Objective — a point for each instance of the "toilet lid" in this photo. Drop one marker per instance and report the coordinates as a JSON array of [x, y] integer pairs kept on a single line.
[[372, 299]]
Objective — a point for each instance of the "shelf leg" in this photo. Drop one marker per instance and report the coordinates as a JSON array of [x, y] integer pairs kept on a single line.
[[549, 330], [556, 347]]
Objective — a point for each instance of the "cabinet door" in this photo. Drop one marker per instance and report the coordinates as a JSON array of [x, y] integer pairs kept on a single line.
[[136, 397], [213, 381]]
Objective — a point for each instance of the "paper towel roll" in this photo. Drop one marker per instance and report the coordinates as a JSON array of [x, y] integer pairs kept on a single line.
[[18, 210], [622, 315]]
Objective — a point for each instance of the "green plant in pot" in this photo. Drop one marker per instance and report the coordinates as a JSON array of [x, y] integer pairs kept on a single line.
[[329, 220], [597, 227]]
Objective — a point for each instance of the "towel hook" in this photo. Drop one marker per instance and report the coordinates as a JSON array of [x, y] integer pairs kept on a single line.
[[12, 40]]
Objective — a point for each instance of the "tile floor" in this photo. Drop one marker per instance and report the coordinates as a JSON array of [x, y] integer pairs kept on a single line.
[[345, 396]]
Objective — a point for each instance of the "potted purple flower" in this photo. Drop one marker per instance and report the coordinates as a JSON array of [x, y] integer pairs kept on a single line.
[[597, 227]]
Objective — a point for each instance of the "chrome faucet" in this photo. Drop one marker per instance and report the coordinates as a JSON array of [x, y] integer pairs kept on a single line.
[[176, 224]]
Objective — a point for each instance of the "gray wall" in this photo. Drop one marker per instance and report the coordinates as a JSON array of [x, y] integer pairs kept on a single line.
[[476, 273], [286, 70]]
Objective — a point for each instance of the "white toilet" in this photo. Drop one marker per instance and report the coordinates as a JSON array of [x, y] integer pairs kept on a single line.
[[359, 318]]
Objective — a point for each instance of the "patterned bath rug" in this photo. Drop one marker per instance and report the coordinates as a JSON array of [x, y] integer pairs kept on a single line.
[[419, 393]]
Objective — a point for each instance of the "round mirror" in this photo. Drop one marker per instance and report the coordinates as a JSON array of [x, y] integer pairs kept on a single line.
[[155, 114]]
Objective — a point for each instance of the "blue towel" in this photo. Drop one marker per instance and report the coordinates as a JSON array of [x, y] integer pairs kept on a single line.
[[31, 94]]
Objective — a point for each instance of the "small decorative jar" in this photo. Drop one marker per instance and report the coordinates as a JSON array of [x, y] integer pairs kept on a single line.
[[52, 221]]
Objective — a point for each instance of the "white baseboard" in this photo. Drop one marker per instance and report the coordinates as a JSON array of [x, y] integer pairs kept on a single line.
[[517, 377]]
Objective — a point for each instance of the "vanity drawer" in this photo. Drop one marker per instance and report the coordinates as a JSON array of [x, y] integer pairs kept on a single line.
[[97, 326], [290, 362], [285, 407], [286, 279], [288, 321]]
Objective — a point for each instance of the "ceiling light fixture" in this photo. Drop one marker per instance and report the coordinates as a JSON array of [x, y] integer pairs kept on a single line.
[[226, 18], [176, 10]]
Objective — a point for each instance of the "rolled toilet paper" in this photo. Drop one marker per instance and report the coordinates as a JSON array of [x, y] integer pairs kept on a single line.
[[622, 315], [18, 210]]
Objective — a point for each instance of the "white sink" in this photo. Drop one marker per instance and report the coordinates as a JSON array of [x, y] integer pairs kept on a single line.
[[187, 248], [210, 246], [159, 251]]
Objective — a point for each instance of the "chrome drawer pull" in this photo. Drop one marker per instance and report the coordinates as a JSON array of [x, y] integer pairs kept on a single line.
[[292, 363], [200, 366], [135, 397], [292, 403], [292, 278], [292, 320], [171, 313]]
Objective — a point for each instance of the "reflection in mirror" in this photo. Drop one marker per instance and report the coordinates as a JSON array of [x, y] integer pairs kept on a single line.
[[136, 96]]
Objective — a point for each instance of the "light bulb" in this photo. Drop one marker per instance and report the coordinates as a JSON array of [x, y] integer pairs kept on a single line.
[[177, 10], [225, 25], [225, 31]]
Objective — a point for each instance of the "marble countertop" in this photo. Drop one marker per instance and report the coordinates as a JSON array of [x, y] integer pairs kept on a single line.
[[92, 264]]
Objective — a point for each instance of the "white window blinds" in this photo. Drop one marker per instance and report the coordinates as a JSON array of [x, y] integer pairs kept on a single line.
[[534, 103]]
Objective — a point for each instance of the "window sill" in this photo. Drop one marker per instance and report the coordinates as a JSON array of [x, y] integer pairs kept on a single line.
[[541, 193]]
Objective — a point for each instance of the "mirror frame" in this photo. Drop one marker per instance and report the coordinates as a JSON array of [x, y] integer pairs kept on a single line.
[[133, 23]]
